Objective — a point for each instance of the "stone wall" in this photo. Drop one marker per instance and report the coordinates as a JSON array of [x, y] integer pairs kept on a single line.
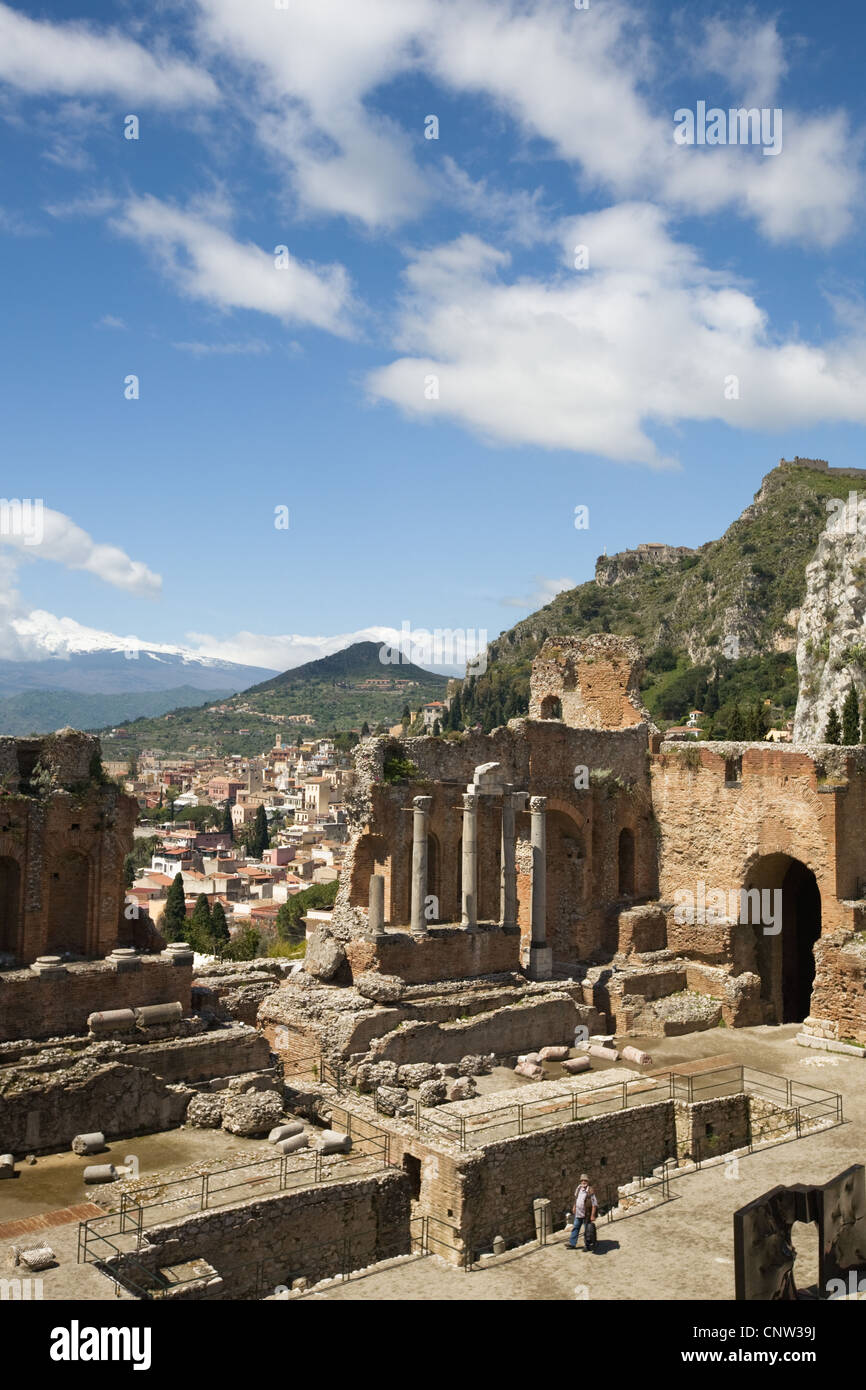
[[448, 953], [499, 1187], [307, 1233], [840, 986], [44, 1110], [588, 682], [710, 1127], [64, 832], [506, 1032], [47, 1006]]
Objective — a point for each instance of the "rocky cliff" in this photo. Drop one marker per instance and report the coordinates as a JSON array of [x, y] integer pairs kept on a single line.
[[831, 635]]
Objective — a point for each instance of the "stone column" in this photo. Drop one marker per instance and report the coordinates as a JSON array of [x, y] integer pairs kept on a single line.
[[469, 881], [540, 954], [512, 802], [420, 823], [376, 912]]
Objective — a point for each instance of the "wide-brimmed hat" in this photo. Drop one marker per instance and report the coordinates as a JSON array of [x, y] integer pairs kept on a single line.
[[584, 1177]]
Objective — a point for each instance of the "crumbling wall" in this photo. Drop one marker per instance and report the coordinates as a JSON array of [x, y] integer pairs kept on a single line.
[[47, 1006], [44, 1110], [64, 831], [306, 1233]]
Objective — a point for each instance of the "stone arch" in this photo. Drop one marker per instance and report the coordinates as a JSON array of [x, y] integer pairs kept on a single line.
[[567, 884], [625, 860], [781, 902], [371, 857], [10, 904], [551, 707], [69, 901]]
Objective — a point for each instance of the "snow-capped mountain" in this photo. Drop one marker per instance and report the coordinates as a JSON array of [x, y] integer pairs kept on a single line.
[[64, 655]]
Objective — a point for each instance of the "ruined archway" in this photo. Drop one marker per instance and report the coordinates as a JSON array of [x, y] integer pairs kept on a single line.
[[10, 904], [625, 863], [551, 707], [566, 884], [69, 903], [783, 907]]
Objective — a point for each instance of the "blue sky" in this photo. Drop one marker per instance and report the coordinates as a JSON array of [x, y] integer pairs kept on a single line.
[[408, 258]]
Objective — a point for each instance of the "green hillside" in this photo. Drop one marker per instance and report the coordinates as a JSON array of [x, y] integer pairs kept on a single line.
[[336, 691], [746, 585], [43, 711]]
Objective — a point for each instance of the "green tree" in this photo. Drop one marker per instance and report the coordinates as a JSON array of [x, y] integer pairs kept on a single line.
[[228, 824], [258, 840], [289, 924], [244, 945], [365, 729], [198, 927], [219, 928], [851, 718], [437, 728], [736, 726], [173, 921], [833, 731]]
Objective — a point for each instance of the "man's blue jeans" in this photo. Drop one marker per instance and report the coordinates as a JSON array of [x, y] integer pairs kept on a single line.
[[575, 1232]]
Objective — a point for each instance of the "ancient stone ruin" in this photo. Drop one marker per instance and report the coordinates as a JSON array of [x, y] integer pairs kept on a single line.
[[513, 909]]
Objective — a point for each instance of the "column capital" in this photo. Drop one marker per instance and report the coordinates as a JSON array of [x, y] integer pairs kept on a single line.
[[422, 803], [469, 800], [538, 803], [517, 800]]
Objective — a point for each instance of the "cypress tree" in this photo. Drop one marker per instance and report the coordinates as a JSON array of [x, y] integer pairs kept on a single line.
[[833, 731], [228, 824], [219, 927], [258, 842], [851, 718], [173, 921], [198, 928], [736, 727]]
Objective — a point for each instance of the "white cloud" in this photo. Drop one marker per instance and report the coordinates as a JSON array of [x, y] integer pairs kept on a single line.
[[594, 360], [110, 321], [544, 592], [580, 81], [207, 263], [39, 58], [313, 64], [44, 534], [282, 652], [749, 55]]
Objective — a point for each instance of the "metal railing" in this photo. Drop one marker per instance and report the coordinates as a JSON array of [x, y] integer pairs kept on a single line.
[[806, 1102], [430, 1235], [180, 1196]]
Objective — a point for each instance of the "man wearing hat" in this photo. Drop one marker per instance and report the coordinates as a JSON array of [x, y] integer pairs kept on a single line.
[[583, 1201]]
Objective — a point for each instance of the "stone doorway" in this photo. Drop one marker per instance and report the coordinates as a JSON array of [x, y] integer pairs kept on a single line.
[[786, 925], [10, 885]]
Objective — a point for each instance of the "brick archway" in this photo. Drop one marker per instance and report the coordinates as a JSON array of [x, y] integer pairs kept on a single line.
[[10, 904], [69, 901], [786, 923]]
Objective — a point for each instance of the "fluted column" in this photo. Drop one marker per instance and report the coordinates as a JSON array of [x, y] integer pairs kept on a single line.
[[420, 826], [512, 802], [540, 954], [469, 878]]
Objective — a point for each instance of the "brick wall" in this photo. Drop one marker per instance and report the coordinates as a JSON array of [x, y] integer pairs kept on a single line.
[[44, 1006], [295, 1234]]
